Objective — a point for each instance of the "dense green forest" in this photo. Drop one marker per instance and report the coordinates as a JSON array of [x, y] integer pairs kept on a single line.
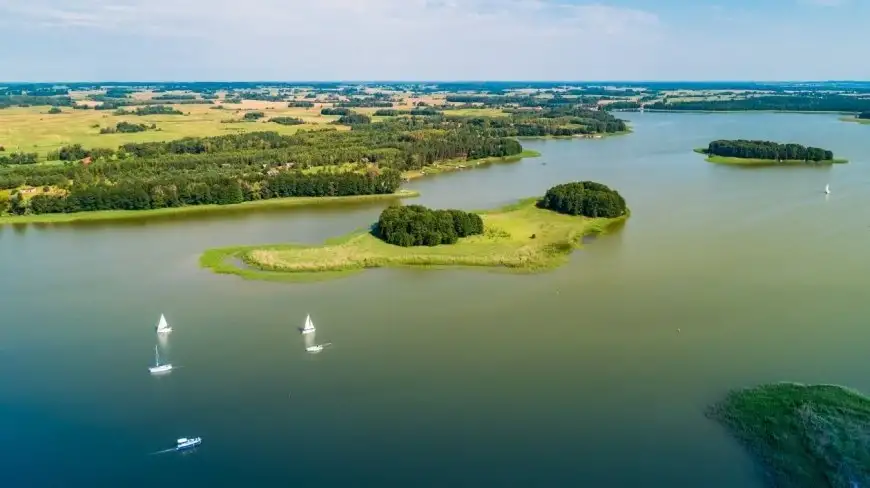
[[795, 103], [586, 198], [7, 101], [334, 111], [354, 118], [416, 225], [566, 121], [252, 166], [300, 104], [767, 150]]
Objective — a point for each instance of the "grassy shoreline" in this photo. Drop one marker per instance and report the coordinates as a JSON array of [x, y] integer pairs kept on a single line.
[[765, 162], [856, 120], [461, 164], [519, 237], [109, 215], [802, 436]]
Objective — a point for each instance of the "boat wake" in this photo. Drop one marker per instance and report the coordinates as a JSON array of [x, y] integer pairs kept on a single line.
[[171, 449]]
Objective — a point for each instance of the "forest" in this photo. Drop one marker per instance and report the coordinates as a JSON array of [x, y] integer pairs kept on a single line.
[[149, 110], [416, 225], [586, 198], [793, 103], [287, 120], [249, 166], [127, 128], [767, 150]]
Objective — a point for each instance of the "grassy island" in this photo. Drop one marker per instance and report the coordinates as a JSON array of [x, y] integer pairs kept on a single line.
[[803, 436], [766, 153], [520, 237]]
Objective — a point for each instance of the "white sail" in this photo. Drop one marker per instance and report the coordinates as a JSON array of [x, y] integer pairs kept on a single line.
[[309, 325], [827, 188], [163, 325]]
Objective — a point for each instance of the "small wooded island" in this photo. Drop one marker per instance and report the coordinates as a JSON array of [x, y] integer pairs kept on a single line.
[[533, 234], [765, 153], [803, 436]]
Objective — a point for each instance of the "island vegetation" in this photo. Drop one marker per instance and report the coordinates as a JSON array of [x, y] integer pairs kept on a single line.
[[521, 237], [752, 152], [586, 198], [416, 225], [811, 102], [802, 436]]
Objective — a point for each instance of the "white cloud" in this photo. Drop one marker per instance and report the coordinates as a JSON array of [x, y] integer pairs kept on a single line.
[[370, 38]]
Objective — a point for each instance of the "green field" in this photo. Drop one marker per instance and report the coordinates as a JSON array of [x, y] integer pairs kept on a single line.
[[31, 129], [107, 215], [802, 436], [519, 237]]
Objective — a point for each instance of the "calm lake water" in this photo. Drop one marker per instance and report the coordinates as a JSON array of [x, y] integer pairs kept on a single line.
[[593, 375]]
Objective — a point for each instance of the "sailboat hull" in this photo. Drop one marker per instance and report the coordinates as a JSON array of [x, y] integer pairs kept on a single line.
[[163, 368], [164, 331], [307, 331]]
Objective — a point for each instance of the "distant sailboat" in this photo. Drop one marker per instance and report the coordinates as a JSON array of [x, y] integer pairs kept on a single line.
[[827, 189], [159, 368], [163, 326], [309, 326], [314, 348]]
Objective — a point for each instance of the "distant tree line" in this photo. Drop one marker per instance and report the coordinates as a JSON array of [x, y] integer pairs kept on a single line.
[[300, 104], [18, 158], [586, 198], [767, 150], [171, 96], [864, 115], [127, 128], [335, 111], [416, 225], [365, 103], [796, 103], [252, 116], [567, 121], [354, 118], [150, 110], [7, 101], [287, 120], [625, 105], [392, 112]]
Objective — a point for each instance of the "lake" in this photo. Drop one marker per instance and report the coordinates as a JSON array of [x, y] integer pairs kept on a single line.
[[596, 374]]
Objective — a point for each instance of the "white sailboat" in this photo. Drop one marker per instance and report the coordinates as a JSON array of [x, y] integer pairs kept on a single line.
[[163, 326], [827, 189], [159, 368], [314, 348], [309, 326]]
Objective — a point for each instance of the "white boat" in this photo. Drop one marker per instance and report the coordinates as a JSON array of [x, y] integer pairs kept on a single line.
[[309, 326], [185, 443], [159, 368], [827, 189], [163, 326], [315, 348]]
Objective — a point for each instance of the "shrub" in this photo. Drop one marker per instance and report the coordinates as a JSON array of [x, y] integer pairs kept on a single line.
[[586, 198]]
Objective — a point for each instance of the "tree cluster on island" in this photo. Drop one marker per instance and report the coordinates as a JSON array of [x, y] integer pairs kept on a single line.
[[864, 115], [416, 225], [767, 150], [586, 198]]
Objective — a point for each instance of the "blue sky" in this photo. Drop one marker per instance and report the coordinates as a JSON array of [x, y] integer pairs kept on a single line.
[[49, 40]]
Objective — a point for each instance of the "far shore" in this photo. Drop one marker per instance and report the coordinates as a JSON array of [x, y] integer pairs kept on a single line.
[[108, 215], [461, 164], [766, 162], [519, 237], [856, 120], [599, 135]]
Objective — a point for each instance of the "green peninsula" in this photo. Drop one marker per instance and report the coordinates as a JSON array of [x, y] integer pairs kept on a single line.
[[803, 436], [522, 237]]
